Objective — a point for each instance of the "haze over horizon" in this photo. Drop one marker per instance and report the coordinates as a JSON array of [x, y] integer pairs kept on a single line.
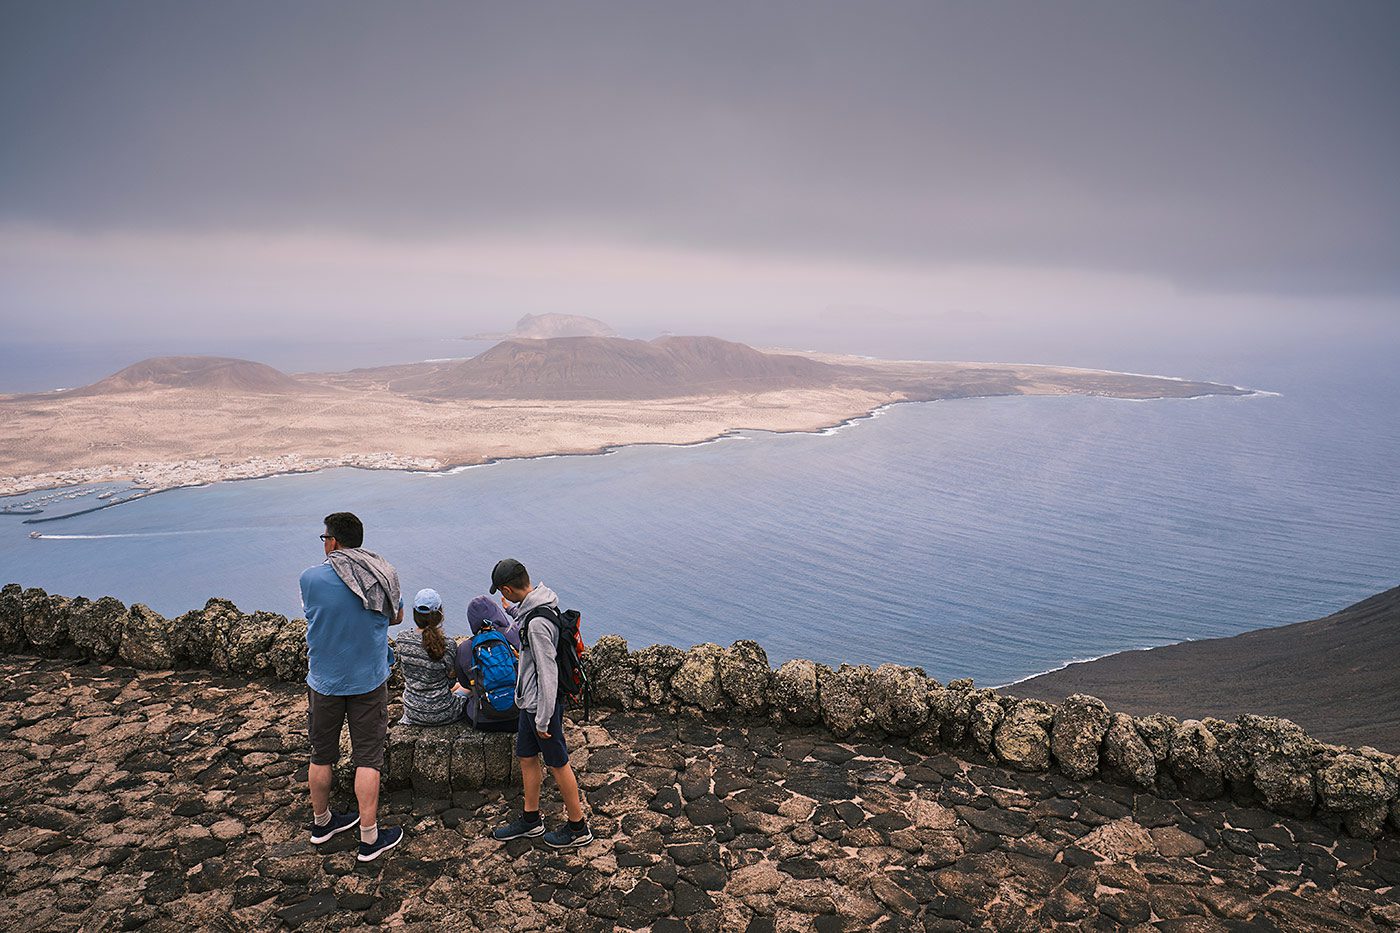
[[812, 173]]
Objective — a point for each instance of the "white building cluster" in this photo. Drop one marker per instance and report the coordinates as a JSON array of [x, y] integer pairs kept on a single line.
[[159, 476]]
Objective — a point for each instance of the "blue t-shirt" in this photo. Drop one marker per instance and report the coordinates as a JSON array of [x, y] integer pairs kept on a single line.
[[347, 645]]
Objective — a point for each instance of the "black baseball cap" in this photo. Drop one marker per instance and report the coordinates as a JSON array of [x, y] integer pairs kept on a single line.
[[505, 571]]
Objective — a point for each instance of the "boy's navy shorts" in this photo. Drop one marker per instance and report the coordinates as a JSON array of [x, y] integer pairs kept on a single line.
[[528, 743]]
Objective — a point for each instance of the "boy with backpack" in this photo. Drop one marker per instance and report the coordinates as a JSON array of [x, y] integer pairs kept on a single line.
[[539, 695]]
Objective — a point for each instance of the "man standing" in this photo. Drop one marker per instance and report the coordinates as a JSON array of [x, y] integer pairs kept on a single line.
[[350, 601]]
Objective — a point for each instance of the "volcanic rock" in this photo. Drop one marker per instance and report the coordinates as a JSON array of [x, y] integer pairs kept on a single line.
[[843, 695], [146, 639], [898, 698], [45, 621], [1126, 756], [96, 627], [696, 681], [1275, 756], [1079, 727], [795, 693], [744, 675], [1193, 761], [1359, 788], [656, 665], [1022, 740], [613, 672], [12, 618]]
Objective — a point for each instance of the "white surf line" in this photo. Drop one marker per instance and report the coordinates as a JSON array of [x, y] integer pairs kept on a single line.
[[850, 422], [1077, 369], [1055, 670], [133, 534]]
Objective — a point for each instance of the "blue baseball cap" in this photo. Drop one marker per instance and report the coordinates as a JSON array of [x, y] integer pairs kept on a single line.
[[427, 601]]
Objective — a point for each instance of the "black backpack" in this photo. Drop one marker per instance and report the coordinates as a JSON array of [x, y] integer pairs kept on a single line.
[[574, 685]]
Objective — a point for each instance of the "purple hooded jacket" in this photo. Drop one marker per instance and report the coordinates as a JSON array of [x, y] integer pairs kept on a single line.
[[483, 612]]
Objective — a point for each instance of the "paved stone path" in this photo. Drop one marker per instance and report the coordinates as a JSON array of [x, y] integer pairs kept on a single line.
[[165, 801]]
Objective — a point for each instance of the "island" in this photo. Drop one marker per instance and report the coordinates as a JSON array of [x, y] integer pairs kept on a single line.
[[169, 422]]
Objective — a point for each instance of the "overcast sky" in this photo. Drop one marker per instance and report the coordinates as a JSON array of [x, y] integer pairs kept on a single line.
[[737, 168]]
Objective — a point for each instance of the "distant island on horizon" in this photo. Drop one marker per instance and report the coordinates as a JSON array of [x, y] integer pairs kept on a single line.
[[546, 326], [168, 422]]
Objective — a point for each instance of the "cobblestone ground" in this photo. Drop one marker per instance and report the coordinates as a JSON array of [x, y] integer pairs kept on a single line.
[[166, 801]]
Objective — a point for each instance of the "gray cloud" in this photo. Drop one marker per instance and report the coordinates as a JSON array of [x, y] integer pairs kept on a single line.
[[1233, 146]]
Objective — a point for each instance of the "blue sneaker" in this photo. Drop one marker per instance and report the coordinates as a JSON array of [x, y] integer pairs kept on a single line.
[[339, 823], [566, 838], [388, 838], [518, 827]]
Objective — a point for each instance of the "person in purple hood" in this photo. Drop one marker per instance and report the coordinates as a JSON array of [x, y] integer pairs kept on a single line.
[[485, 614]]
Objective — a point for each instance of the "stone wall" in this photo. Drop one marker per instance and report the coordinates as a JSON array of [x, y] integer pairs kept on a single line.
[[1257, 760], [221, 638]]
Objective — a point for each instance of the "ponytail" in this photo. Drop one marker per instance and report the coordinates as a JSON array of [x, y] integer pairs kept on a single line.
[[430, 626]]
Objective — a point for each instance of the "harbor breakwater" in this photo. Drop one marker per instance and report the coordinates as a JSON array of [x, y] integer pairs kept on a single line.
[[1256, 761]]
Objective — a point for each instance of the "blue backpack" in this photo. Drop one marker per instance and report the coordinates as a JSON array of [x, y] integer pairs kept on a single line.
[[496, 669]]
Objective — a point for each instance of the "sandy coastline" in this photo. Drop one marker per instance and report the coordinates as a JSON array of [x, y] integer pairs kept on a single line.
[[431, 437], [165, 438]]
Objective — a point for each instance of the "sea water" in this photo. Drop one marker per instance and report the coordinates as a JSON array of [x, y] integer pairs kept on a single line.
[[985, 538]]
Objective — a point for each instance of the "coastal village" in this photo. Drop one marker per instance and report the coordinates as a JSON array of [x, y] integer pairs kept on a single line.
[[160, 477]]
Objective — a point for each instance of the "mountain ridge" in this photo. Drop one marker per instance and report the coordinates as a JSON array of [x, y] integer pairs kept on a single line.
[[619, 368], [217, 373]]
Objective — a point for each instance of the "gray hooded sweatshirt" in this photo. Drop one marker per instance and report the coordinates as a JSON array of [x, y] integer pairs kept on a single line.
[[537, 688]]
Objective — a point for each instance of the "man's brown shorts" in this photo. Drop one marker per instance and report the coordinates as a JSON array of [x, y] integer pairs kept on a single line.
[[368, 714]]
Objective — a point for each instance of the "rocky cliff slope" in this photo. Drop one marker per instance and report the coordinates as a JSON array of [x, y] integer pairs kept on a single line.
[[209, 373], [1335, 676]]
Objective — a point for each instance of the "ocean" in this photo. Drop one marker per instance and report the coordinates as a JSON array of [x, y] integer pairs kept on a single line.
[[983, 538]]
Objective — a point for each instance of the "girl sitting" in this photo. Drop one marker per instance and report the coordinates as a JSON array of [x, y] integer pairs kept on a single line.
[[429, 669]]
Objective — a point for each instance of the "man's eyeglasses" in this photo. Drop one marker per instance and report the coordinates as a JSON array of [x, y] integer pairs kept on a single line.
[[327, 537]]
